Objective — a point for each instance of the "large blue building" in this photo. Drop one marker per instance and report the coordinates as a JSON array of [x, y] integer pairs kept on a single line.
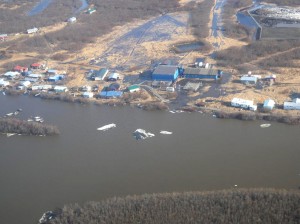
[[165, 73]]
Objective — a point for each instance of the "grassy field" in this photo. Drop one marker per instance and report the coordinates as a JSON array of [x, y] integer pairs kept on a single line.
[[232, 206]]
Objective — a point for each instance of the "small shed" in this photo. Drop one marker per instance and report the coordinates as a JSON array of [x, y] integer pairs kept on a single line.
[[88, 95], [134, 88], [35, 76], [60, 89], [165, 73], [246, 104], [100, 74], [248, 79], [269, 104], [91, 11], [113, 77], [72, 20], [3, 83], [33, 30]]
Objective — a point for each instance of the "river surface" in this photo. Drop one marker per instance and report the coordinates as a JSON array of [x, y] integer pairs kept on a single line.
[[204, 153]]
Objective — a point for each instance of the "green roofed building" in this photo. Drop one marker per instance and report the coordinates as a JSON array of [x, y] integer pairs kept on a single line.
[[134, 88]]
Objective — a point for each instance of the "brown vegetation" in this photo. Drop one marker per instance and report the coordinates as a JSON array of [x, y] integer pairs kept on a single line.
[[233, 206], [272, 51], [231, 28], [199, 18], [13, 125], [252, 116]]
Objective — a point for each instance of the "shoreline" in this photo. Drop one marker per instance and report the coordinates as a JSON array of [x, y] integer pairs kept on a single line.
[[160, 106]]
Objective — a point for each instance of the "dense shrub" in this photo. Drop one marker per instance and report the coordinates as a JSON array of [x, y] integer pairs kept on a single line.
[[233, 206], [13, 125]]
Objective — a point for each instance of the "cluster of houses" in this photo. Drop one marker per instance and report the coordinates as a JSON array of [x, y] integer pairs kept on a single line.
[[36, 77], [268, 104]]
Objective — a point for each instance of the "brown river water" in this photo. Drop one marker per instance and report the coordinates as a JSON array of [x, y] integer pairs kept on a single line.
[[38, 174]]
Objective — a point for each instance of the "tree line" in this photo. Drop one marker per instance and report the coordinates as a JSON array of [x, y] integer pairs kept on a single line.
[[266, 206]]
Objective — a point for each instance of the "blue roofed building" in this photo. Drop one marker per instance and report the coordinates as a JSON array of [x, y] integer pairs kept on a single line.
[[165, 73], [110, 94]]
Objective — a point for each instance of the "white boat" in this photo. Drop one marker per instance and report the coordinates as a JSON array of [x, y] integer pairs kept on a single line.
[[29, 120], [265, 125], [106, 127], [9, 114], [10, 134], [166, 132]]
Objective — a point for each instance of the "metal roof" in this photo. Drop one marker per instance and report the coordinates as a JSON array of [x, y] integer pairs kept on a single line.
[[200, 71], [165, 70]]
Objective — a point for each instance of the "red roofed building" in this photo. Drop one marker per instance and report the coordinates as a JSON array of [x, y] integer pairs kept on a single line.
[[36, 66], [19, 68]]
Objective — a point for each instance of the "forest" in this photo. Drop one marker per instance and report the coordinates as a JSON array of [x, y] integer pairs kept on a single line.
[[16, 126], [267, 206]]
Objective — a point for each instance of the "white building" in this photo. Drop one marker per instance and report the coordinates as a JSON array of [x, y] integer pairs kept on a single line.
[[269, 104], [88, 95], [12, 75], [248, 79], [246, 104], [3, 83], [33, 30], [25, 83], [60, 89], [72, 20], [113, 77], [41, 87]]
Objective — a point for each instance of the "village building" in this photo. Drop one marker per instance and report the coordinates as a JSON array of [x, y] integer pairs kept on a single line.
[[113, 77], [100, 74], [202, 73], [3, 83], [41, 87], [246, 104], [91, 11], [165, 73], [33, 30], [55, 78], [12, 75], [36, 66], [87, 95], [269, 104], [72, 20], [246, 79], [110, 94], [86, 88], [134, 88], [20, 69], [52, 72], [60, 89]]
